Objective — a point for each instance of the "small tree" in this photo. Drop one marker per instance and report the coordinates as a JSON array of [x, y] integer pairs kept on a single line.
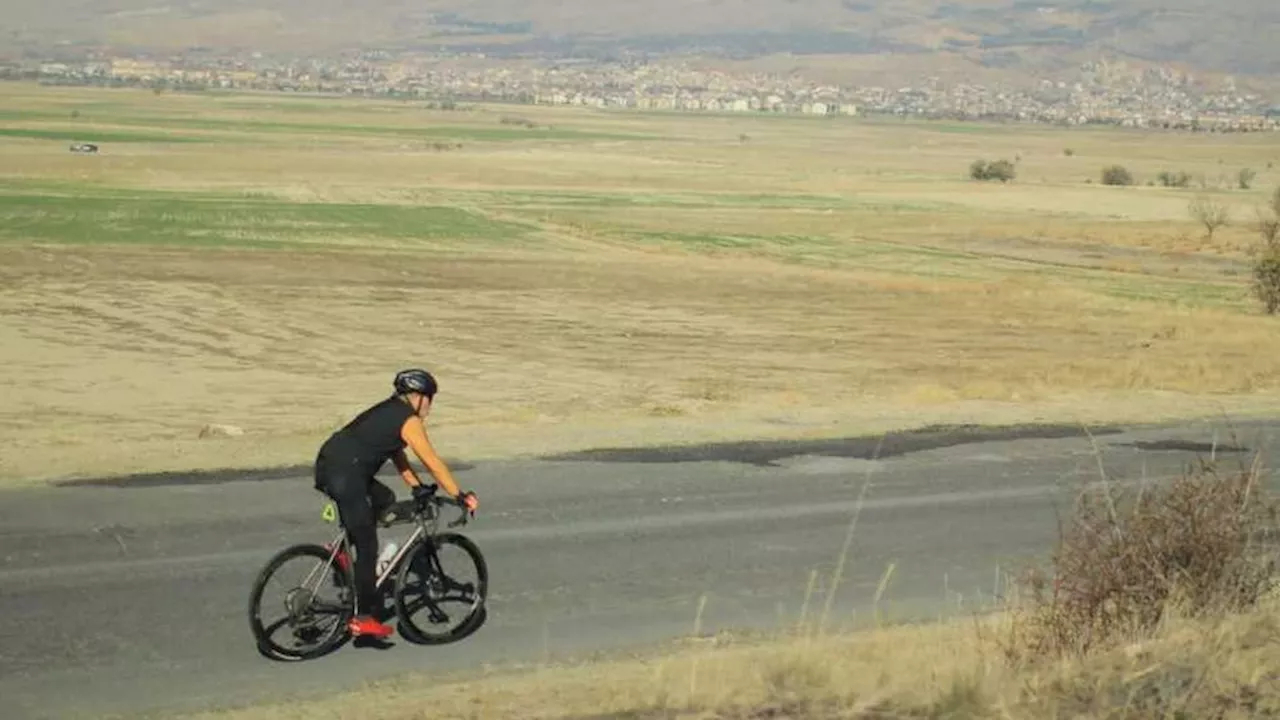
[[1116, 175], [1245, 178], [1266, 263], [1269, 224], [1210, 213], [1266, 276]]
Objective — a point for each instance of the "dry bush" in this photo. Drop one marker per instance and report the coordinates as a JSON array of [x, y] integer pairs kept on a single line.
[[1266, 261], [1117, 175], [1266, 275], [1174, 180], [1127, 558], [1001, 170]]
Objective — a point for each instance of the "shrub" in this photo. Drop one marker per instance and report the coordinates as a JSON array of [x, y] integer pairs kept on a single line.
[[1125, 559], [1178, 179], [1001, 170], [1269, 219], [1266, 261], [1266, 277], [1116, 175], [1245, 178], [515, 120]]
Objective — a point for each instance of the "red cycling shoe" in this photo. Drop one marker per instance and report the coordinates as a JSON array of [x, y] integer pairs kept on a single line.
[[366, 625]]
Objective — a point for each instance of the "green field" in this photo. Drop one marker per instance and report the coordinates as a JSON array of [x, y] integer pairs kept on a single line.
[[96, 136], [194, 220]]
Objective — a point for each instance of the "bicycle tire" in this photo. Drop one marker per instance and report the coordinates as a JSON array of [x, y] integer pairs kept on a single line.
[[335, 637], [414, 632]]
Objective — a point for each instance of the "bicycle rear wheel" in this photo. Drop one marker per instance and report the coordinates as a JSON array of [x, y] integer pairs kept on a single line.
[[315, 607], [454, 607]]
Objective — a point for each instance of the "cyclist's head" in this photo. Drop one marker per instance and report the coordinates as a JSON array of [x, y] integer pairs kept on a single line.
[[417, 381]]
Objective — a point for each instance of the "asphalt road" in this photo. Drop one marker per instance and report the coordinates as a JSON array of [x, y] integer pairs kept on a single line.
[[129, 597]]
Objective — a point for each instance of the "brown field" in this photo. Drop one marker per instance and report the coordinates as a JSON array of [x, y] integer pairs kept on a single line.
[[604, 278]]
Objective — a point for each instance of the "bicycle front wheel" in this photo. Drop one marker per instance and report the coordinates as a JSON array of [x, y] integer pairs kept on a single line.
[[441, 590], [311, 607]]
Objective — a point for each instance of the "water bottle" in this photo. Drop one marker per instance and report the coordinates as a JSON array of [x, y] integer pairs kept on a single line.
[[384, 557]]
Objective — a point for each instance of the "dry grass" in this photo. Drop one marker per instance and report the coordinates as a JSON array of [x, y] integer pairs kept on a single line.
[[825, 276], [178, 341], [1225, 667]]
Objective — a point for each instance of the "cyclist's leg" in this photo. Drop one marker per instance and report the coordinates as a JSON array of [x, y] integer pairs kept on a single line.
[[381, 497], [363, 533], [335, 486], [356, 516], [355, 511]]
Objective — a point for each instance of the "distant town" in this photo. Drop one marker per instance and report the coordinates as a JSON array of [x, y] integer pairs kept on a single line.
[[1098, 94]]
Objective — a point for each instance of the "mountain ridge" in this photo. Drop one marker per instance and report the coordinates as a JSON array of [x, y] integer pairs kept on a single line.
[[1226, 37]]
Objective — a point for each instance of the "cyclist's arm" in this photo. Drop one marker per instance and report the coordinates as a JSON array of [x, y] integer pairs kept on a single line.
[[415, 436], [406, 471]]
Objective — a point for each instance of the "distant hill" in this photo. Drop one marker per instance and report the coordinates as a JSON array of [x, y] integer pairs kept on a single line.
[[1224, 36]]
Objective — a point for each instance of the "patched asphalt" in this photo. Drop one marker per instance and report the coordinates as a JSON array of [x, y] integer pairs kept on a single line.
[[865, 447]]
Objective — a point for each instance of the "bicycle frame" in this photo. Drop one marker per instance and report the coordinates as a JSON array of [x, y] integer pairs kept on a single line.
[[340, 542], [426, 526]]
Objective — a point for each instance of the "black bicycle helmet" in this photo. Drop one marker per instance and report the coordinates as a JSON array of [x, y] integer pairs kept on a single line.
[[415, 380]]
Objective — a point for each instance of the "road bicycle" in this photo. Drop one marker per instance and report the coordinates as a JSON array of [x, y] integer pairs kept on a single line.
[[417, 577]]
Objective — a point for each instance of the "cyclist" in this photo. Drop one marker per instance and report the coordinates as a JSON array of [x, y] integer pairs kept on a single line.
[[345, 469]]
